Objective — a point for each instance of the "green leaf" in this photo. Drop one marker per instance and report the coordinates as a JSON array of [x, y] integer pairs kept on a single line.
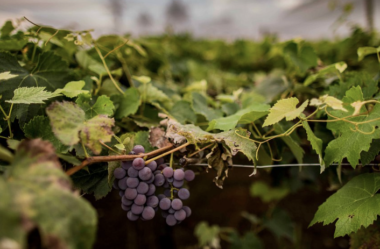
[[207, 235], [316, 144], [6, 29], [295, 147], [72, 89], [199, 104], [183, 112], [302, 57], [374, 150], [335, 68], [364, 51], [38, 193], [350, 143], [244, 116], [13, 44], [102, 106], [39, 127], [142, 138], [129, 103], [151, 94], [356, 204], [87, 62], [66, 119], [50, 72], [31, 95], [5, 154], [97, 129], [285, 108], [267, 193]]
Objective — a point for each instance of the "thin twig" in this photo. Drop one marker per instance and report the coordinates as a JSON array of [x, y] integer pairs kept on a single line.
[[167, 153], [116, 48]]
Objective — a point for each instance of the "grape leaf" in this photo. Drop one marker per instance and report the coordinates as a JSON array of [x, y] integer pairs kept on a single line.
[[31, 95], [5, 154], [285, 108], [199, 104], [302, 57], [102, 106], [87, 62], [316, 144], [243, 116], [6, 29], [151, 94], [183, 112], [290, 142], [354, 205], [45, 205], [350, 142], [364, 51], [73, 89], [336, 68], [128, 103], [7, 76], [207, 235], [374, 150], [142, 138]]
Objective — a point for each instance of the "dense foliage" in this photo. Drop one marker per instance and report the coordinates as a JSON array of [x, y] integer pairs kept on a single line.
[[77, 104]]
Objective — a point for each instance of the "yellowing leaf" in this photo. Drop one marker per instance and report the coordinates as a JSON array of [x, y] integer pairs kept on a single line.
[[97, 129], [7, 76], [142, 79], [357, 105], [72, 89], [333, 102], [285, 108], [31, 95]]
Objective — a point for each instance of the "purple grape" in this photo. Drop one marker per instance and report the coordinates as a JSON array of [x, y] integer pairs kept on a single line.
[[183, 194], [145, 174], [122, 183], [125, 208], [171, 211], [170, 220], [149, 213], [151, 179], [170, 179], [176, 204], [138, 149], [160, 161], [140, 199], [167, 172], [126, 164], [189, 175], [187, 210], [167, 192], [152, 165], [119, 173], [165, 203], [132, 172], [166, 184], [152, 190], [131, 216], [121, 193], [142, 188], [137, 209], [152, 201], [159, 180], [161, 196], [162, 166], [130, 193], [179, 175], [180, 215], [138, 163], [132, 182], [178, 184], [126, 202]]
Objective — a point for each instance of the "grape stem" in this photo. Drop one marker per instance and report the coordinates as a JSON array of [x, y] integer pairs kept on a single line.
[[100, 159], [167, 153]]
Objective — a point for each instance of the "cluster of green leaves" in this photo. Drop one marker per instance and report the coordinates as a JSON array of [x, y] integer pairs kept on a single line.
[[97, 97]]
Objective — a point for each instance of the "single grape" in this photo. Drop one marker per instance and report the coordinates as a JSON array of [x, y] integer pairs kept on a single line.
[[165, 203], [132, 172], [145, 174], [189, 175], [142, 188], [152, 190], [132, 182], [167, 172], [138, 164], [171, 211], [179, 175], [161, 196], [126, 202], [170, 220], [138, 149], [152, 165], [159, 180], [178, 184], [170, 180], [149, 213], [180, 215], [140, 199], [121, 193], [183, 194], [160, 161], [151, 180], [131, 216], [152, 201], [126, 164], [176, 204], [122, 183], [130, 193], [125, 208], [167, 192], [187, 210], [119, 173], [137, 209]]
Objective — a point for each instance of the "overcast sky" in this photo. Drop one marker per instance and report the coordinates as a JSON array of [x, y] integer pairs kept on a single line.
[[228, 19]]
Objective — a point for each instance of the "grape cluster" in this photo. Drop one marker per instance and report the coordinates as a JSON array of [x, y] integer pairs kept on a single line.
[[137, 184]]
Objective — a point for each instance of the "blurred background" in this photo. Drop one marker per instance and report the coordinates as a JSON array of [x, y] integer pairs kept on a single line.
[[204, 18]]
